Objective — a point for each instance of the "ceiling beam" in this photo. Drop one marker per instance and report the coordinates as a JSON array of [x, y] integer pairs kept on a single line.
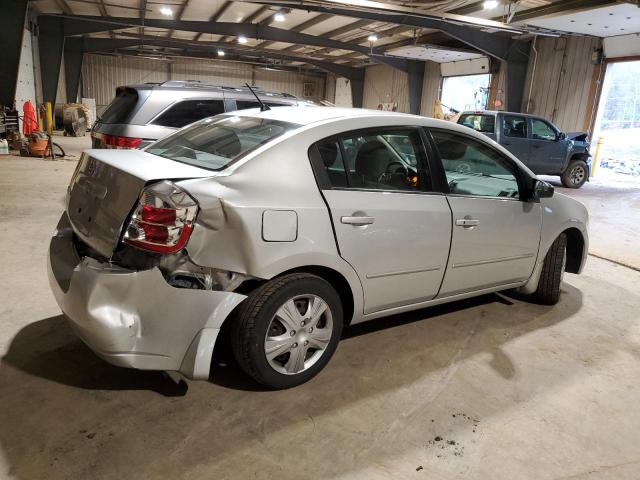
[[492, 44], [81, 24], [216, 16], [94, 45], [251, 17], [337, 32], [321, 17]]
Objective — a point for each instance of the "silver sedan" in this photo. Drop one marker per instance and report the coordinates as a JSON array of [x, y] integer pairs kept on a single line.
[[272, 230]]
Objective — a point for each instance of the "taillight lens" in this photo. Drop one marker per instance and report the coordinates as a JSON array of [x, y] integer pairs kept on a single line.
[[163, 219], [116, 141]]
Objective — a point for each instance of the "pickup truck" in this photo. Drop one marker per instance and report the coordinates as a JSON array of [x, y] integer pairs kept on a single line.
[[536, 142]]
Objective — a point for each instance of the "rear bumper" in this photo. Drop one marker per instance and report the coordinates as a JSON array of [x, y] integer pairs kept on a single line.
[[134, 318]]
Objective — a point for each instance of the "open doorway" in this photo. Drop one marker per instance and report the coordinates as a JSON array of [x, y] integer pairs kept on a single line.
[[466, 92], [618, 119]]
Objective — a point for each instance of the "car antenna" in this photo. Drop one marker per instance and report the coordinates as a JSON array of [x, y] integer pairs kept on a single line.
[[263, 106]]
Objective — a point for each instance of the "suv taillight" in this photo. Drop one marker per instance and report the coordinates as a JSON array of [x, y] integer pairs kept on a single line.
[[116, 141], [163, 219]]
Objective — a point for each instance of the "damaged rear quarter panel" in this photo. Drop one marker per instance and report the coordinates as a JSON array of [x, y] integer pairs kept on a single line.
[[228, 230]]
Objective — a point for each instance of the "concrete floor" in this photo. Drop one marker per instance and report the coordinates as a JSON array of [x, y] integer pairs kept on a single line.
[[513, 390]]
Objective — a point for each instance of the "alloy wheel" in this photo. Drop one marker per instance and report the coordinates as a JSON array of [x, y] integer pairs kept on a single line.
[[576, 176]]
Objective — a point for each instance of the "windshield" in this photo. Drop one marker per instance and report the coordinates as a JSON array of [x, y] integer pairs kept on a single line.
[[480, 123], [216, 142]]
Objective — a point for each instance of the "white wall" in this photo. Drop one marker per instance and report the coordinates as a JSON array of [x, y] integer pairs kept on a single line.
[[343, 93], [385, 84], [26, 86]]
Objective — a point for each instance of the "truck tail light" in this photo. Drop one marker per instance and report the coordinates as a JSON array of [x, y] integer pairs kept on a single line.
[[162, 220], [116, 141]]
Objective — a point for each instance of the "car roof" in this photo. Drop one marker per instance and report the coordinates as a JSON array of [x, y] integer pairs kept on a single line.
[[307, 115]]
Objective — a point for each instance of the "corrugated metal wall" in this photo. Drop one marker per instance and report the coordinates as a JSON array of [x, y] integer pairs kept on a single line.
[[430, 88], [101, 74], [562, 81], [343, 93], [384, 84]]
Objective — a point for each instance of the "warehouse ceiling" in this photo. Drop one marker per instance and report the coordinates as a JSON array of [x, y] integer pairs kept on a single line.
[[363, 39]]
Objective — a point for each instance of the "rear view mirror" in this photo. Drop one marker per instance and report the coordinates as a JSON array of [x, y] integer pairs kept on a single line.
[[542, 190]]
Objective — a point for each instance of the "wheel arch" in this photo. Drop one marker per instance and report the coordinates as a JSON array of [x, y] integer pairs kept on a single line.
[[575, 250]]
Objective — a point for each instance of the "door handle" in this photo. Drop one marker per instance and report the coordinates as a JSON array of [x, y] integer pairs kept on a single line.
[[467, 222], [535, 146], [506, 143], [357, 220]]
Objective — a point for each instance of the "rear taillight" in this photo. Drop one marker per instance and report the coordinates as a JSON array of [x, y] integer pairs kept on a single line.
[[163, 219], [116, 141]]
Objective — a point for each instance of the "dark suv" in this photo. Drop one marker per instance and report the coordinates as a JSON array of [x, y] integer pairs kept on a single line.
[[141, 114], [538, 143]]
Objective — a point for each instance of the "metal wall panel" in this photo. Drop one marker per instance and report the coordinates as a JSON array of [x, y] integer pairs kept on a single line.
[[101, 74], [562, 81], [343, 93], [385, 84], [430, 88]]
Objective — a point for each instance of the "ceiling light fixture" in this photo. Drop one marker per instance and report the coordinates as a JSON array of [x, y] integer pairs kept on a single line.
[[242, 39], [221, 53], [372, 38], [489, 4], [166, 11], [279, 17]]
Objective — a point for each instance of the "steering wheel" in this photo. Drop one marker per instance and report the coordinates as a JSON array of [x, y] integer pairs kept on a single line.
[[463, 168], [400, 169]]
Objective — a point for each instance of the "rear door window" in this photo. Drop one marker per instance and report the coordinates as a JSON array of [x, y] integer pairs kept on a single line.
[[479, 122], [122, 107], [244, 104], [189, 111], [515, 126]]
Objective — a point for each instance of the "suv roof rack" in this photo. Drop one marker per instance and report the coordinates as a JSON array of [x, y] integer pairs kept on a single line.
[[208, 86]]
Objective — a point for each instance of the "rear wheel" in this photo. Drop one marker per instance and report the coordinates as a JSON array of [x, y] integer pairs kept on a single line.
[[287, 330], [548, 291], [575, 175]]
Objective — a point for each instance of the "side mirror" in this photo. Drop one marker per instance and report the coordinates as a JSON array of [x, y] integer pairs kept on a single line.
[[542, 190], [562, 136]]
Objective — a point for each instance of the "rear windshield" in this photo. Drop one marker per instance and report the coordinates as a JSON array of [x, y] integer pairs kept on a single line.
[[216, 142], [121, 108], [481, 123]]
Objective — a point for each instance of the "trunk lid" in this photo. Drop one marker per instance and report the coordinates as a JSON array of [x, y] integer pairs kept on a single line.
[[105, 187]]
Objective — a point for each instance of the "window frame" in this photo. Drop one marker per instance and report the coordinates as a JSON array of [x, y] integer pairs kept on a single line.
[[523, 180], [322, 179], [548, 124], [182, 100], [526, 126]]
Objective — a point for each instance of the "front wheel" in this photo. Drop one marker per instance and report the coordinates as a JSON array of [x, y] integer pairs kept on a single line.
[[287, 330], [575, 175], [548, 291]]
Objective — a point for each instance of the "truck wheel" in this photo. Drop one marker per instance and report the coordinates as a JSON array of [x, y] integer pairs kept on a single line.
[[287, 330], [548, 291], [575, 175]]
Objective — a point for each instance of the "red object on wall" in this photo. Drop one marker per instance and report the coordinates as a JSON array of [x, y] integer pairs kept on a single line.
[[29, 121]]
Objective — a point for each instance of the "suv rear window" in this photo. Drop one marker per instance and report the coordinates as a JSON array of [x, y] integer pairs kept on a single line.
[[480, 123], [214, 143], [121, 108], [189, 111]]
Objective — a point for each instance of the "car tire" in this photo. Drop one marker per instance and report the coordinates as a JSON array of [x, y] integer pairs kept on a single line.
[[265, 326], [576, 174], [548, 291]]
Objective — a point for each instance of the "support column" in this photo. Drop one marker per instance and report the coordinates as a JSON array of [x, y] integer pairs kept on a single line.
[[50, 43], [11, 29], [516, 65], [415, 74], [73, 54]]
